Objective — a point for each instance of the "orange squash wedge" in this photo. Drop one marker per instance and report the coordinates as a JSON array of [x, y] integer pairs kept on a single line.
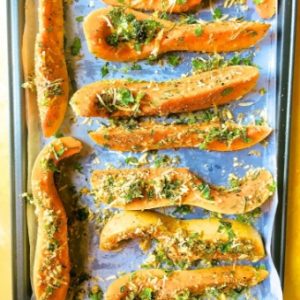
[[200, 91], [51, 76], [185, 240], [149, 188], [154, 136], [157, 36], [165, 286], [51, 276]]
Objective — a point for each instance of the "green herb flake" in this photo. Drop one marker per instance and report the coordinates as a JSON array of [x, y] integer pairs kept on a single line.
[[131, 161], [198, 31], [262, 91], [205, 191], [250, 217], [146, 294], [174, 60], [76, 46], [79, 19], [217, 13], [78, 167], [227, 91], [182, 210], [105, 70], [95, 293], [127, 28], [226, 227], [190, 19], [135, 67], [272, 187]]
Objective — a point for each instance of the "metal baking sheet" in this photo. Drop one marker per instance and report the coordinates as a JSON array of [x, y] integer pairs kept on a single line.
[[215, 167]]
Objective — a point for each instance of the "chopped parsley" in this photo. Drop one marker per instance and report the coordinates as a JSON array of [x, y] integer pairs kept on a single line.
[[257, 2], [76, 46], [78, 167], [226, 227], [127, 28], [227, 91], [224, 134], [135, 67], [132, 161], [51, 89], [198, 31], [105, 69], [79, 19], [217, 14], [181, 2], [272, 187], [250, 217], [190, 19], [169, 188], [205, 191], [119, 99], [146, 294], [174, 60], [217, 61], [182, 210]]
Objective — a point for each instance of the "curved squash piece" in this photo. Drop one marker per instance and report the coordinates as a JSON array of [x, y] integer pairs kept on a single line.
[[51, 263], [52, 80], [217, 87], [139, 189], [266, 9], [169, 36], [185, 239], [165, 286], [155, 136], [170, 6]]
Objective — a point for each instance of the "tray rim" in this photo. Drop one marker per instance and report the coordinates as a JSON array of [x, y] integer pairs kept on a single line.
[[287, 14], [18, 133]]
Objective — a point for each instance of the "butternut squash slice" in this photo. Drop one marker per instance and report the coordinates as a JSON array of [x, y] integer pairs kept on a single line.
[[144, 188], [51, 264], [185, 240], [266, 8], [154, 136], [171, 6], [52, 82], [143, 36], [110, 98], [163, 286]]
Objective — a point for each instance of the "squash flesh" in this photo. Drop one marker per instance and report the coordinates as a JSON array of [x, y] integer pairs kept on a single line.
[[51, 262], [174, 96], [254, 190], [193, 281], [199, 237], [216, 37]]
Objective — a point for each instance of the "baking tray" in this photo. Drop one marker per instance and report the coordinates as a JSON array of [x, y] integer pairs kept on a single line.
[[285, 53]]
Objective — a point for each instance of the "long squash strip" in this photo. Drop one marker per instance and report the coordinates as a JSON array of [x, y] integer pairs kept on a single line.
[[208, 236], [217, 87], [214, 37], [266, 9], [155, 136], [140, 189], [51, 81], [165, 286], [158, 5], [51, 264]]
